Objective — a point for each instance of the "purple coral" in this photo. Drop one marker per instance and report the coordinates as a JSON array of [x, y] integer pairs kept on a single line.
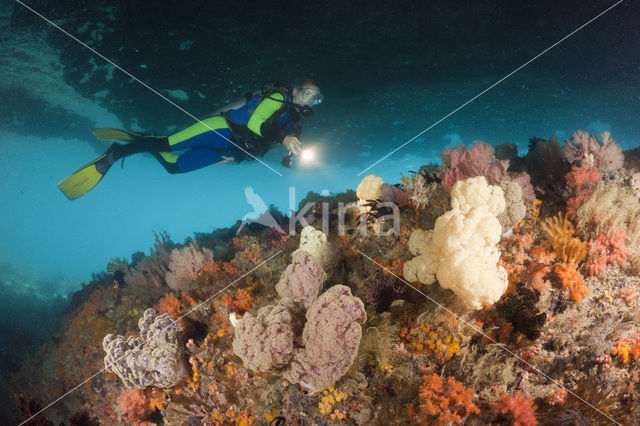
[[393, 194], [153, 359], [302, 280], [265, 342], [330, 339], [314, 353], [479, 160], [607, 155]]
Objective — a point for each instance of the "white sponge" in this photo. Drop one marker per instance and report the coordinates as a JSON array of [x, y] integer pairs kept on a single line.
[[461, 251]]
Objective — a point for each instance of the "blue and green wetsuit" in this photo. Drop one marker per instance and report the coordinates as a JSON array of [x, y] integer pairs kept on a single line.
[[255, 127]]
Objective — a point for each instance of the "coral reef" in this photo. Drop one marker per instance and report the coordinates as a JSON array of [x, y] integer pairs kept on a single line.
[[535, 318]]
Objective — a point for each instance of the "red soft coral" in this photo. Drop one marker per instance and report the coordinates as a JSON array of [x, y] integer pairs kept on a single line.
[[451, 402], [243, 300], [605, 250], [134, 406], [518, 406], [169, 304]]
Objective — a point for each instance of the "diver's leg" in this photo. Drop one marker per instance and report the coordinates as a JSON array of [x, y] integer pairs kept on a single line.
[[143, 144], [197, 158], [168, 161], [209, 133], [197, 146]]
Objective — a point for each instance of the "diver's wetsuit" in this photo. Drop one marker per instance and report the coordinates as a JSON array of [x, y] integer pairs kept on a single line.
[[242, 133], [197, 146]]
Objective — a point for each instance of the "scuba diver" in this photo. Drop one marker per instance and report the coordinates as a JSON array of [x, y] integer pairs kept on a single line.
[[242, 130]]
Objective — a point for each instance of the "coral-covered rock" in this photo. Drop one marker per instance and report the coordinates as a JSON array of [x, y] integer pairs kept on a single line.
[[302, 280], [153, 359]]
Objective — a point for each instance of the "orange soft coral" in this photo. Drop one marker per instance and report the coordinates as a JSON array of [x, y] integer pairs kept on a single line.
[[444, 402], [571, 278], [243, 300], [169, 304]]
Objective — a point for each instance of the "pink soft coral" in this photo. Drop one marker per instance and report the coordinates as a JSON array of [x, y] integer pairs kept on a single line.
[[605, 250], [518, 406], [581, 182], [479, 160], [134, 406], [186, 263]]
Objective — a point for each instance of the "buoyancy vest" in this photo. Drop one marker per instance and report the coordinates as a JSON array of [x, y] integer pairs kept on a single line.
[[286, 120]]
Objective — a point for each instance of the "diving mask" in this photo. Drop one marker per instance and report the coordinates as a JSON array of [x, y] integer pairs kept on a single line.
[[309, 96]]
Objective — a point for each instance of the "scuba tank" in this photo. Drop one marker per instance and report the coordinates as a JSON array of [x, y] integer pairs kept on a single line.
[[238, 103], [265, 91]]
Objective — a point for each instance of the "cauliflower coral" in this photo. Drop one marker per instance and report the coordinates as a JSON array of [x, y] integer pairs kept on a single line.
[[461, 251]]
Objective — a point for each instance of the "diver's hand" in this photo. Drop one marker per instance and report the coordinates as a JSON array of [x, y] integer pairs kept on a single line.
[[293, 144], [226, 160]]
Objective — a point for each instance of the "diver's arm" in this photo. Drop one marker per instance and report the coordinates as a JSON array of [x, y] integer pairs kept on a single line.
[[261, 124], [293, 144], [265, 109]]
